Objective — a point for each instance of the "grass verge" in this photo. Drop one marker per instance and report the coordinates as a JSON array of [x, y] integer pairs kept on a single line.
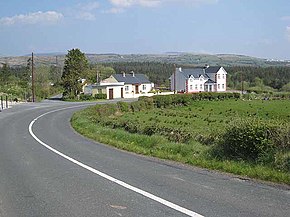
[[192, 153]]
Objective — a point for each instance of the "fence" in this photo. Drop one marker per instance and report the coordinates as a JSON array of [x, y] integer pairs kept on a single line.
[[5, 103]]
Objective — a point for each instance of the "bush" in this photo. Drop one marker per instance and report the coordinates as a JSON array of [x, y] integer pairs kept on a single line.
[[85, 97], [123, 106], [254, 140], [148, 101], [100, 96], [105, 110]]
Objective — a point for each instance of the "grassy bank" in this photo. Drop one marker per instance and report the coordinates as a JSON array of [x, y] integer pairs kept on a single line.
[[208, 116]]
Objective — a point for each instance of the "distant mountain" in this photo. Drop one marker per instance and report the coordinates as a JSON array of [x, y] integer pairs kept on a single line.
[[178, 58]]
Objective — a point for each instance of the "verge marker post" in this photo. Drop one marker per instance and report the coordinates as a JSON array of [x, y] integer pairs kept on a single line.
[[2, 106], [6, 99]]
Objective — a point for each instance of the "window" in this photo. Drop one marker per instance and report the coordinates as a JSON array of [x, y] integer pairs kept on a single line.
[[191, 80], [219, 76], [196, 87], [201, 86], [223, 76], [219, 86], [144, 87], [126, 88], [223, 86], [191, 87]]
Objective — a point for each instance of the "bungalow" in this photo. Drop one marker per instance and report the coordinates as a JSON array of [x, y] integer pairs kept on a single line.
[[206, 79], [122, 86]]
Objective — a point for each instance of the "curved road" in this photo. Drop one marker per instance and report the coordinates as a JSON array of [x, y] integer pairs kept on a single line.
[[46, 169]]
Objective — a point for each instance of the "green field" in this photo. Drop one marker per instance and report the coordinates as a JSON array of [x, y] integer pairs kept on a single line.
[[203, 117], [189, 134]]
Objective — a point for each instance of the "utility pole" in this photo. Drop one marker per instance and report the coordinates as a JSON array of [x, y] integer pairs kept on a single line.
[[242, 83], [32, 78], [98, 76], [174, 79]]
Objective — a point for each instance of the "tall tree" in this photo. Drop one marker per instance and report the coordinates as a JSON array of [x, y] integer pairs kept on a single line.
[[75, 66]]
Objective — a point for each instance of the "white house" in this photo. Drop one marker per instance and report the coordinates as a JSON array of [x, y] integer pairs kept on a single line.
[[206, 79], [122, 86]]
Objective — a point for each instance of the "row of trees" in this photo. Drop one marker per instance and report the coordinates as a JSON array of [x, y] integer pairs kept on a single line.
[[239, 77], [16, 81], [259, 79]]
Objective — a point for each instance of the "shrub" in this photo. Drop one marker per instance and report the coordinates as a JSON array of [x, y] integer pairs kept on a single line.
[[148, 101], [100, 96], [123, 106], [282, 161], [137, 106], [85, 97], [105, 110], [253, 140], [162, 101], [246, 140]]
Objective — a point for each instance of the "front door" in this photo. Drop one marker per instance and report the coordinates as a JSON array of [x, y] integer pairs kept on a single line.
[[137, 89], [111, 96]]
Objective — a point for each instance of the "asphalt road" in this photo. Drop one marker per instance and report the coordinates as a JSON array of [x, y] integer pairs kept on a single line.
[[47, 169]]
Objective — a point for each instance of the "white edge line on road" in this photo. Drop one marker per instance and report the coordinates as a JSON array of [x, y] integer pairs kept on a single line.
[[110, 178]]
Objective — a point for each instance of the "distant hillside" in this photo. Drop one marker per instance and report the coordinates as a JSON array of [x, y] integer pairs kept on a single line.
[[172, 57]]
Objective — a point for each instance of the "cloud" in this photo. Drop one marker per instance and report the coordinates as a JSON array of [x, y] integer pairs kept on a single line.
[[129, 3], [89, 6], [49, 17], [114, 11], [86, 11], [154, 3]]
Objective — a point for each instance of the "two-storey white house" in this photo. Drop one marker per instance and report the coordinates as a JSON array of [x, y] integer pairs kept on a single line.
[[122, 86], [206, 79]]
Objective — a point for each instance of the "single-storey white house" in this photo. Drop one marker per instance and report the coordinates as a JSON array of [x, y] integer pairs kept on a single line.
[[122, 86], [205, 79]]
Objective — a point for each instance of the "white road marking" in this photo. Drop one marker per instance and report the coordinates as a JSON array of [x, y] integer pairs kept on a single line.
[[110, 178]]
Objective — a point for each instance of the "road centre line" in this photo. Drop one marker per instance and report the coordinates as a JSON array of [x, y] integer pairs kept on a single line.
[[105, 176]]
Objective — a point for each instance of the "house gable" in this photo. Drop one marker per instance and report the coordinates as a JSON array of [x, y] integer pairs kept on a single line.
[[111, 79], [207, 78]]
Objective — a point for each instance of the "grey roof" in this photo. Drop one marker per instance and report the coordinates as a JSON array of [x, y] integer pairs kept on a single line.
[[212, 69], [130, 79], [209, 81], [197, 72]]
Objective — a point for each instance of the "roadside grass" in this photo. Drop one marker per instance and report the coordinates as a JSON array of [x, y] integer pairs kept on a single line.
[[192, 153]]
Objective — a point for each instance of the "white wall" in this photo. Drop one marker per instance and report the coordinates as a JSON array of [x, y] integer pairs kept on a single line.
[[196, 85], [221, 80], [116, 91]]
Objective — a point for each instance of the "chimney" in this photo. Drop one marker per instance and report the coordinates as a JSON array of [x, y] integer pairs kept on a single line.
[[180, 69], [206, 66], [124, 74], [133, 73]]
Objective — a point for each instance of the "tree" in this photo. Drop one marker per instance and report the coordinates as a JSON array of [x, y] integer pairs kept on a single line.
[[5, 73], [75, 66], [97, 72], [286, 87]]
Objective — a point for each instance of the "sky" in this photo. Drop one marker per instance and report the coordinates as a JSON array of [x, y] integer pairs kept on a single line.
[[259, 28]]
